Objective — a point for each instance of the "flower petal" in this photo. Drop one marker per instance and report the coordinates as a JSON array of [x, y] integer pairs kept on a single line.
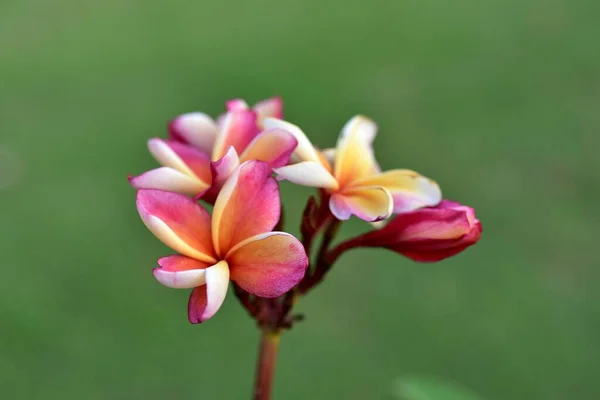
[[453, 205], [223, 167], [329, 155], [182, 158], [269, 264], [221, 170], [178, 222], [206, 300], [367, 203], [197, 129], [180, 272], [248, 204], [427, 234], [236, 105], [272, 107], [354, 152], [273, 146], [305, 151], [409, 189], [165, 155], [166, 178], [307, 173], [238, 130]]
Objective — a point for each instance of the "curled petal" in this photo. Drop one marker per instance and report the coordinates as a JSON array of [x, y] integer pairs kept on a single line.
[[182, 158], [238, 129], [409, 189], [221, 170], [206, 300], [354, 152], [273, 146], [305, 151], [307, 173], [178, 222], [427, 234], [196, 129], [272, 108], [367, 203], [248, 204], [166, 178], [180, 272], [269, 264]]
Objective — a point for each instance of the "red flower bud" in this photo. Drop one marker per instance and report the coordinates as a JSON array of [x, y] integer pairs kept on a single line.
[[427, 234]]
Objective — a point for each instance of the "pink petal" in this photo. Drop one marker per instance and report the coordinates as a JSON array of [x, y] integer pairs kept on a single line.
[[224, 167], [269, 264], [166, 178], [178, 222], [367, 203], [273, 146], [248, 204], [307, 173], [180, 272], [221, 170], [409, 189], [196, 129], [238, 130], [272, 108], [354, 152], [453, 205], [206, 300], [182, 158], [236, 105]]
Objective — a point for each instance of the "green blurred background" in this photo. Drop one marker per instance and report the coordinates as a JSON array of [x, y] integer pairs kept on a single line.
[[497, 100]]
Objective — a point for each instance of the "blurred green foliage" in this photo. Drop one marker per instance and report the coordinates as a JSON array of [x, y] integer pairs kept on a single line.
[[497, 100], [428, 388]]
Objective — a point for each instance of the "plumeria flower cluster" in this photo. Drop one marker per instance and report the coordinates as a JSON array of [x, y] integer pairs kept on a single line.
[[234, 162]]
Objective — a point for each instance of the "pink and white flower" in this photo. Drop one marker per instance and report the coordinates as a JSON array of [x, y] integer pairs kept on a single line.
[[351, 175], [235, 243], [201, 153]]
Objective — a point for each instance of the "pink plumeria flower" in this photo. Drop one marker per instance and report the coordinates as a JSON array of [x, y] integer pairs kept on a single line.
[[428, 234], [351, 175], [200, 153], [236, 243]]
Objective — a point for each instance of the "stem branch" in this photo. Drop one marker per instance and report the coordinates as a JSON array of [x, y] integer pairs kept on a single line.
[[323, 263], [265, 368], [337, 251]]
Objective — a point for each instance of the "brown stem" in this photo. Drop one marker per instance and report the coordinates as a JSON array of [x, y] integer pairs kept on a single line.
[[328, 237], [265, 368], [315, 217], [273, 315], [323, 263]]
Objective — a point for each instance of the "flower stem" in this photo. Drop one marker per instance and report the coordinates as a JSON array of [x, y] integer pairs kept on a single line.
[[337, 251], [323, 264], [265, 368]]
